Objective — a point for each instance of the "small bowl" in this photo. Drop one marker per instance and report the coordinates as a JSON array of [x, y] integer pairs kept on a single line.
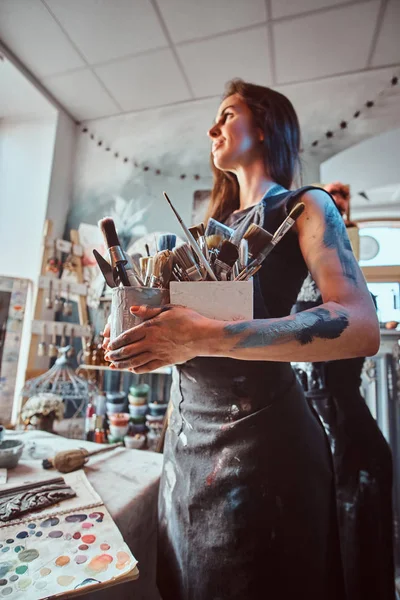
[[138, 411], [10, 453], [158, 409], [137, 441], [119, 419], [119, 431], [114, 408], [137, 400]]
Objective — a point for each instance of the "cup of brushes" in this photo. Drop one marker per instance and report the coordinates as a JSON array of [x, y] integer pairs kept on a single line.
[[211, 273]]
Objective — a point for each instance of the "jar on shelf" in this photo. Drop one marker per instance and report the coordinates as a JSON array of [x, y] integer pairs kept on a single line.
[[138, 394]]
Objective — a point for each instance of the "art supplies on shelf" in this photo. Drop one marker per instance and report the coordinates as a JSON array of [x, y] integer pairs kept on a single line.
[[58, 551]]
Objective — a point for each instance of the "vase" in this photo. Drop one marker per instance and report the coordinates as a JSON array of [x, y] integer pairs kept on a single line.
[[45, 423]]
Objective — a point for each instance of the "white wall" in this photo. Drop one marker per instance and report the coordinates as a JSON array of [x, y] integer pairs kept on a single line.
[[36, 165], [371, 165], [60, 189], [26, 152]]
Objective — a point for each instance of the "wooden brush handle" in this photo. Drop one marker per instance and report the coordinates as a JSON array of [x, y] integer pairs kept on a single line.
[[111, 447]]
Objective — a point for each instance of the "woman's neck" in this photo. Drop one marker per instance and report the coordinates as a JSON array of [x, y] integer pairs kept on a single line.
[[253, 184]]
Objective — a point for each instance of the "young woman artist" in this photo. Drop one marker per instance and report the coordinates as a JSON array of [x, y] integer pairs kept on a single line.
[[246, 504]]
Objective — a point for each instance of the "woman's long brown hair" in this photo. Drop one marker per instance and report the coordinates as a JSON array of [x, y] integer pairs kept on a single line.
[[274, 114]]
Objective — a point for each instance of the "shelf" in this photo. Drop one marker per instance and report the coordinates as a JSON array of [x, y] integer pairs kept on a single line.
[[161, 371]]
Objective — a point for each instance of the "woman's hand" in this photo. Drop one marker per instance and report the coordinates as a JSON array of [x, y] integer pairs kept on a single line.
[[106, 336], [169, 335]]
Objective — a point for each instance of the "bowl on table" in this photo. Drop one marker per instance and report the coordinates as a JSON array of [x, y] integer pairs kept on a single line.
[[10, 453]]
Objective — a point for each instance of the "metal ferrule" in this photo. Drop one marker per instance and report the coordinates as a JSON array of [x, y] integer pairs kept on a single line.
[[117, 255], [194, 274]]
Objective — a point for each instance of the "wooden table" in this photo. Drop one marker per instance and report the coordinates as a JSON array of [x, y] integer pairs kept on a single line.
[[127, 481]]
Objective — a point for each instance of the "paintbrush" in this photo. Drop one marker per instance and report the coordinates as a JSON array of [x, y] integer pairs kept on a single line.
[[192, 241], [227, 256], [149, 270], [255, 264], [163, 263], [184, 258], [198, 232], [71, 460], [243, 258], [288, 222], [216, 233], [257, 239], [143, 260], [166, 241], [117, 256]]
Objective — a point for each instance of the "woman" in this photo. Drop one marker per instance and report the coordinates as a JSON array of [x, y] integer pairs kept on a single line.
[[246, 495], [361, 459]]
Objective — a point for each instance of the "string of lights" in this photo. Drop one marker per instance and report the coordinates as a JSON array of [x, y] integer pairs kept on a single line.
[[330, 133]]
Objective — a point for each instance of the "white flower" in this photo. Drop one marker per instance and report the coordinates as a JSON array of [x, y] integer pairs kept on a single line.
[[43, 404]]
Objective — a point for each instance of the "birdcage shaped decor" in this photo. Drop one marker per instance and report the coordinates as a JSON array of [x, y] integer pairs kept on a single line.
[[63, 381]]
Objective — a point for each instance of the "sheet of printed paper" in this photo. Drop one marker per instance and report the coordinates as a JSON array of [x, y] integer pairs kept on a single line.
[[63, 548]]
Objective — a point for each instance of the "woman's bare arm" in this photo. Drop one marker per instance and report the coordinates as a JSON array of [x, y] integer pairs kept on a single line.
[[344, 326]]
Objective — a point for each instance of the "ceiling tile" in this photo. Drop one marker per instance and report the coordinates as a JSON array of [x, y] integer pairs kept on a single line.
[[28, 29], [144, 81], [210, 64], [190, 19], [104, 29], [387, 49], [286, 8], [81, 94], [324, 44]]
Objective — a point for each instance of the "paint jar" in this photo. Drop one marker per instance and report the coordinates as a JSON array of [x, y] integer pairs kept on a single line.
[[114, 408], [138, 411], [100, 404], [123, 298], [119, 419], [119, 431], [138, 428], [138, 394], [157, 409], [137, 441], [115, 402], [153, 438]]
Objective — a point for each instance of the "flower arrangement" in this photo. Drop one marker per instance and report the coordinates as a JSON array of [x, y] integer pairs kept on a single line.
[[42, 409]]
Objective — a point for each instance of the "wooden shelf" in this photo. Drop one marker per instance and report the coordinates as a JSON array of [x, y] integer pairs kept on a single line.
[[162, 371]]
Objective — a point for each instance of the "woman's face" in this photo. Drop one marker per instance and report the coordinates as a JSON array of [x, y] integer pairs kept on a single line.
[[235, 139]]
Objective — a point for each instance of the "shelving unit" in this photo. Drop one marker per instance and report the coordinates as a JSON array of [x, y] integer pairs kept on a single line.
[[78, 288]]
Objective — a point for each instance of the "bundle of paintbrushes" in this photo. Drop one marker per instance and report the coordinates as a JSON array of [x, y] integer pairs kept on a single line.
[[209, 254]]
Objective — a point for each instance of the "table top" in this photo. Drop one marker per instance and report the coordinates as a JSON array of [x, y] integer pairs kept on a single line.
[[126, 480]]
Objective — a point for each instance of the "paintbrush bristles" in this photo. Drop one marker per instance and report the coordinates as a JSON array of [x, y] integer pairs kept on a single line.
[[197, 231], [107, 227], [228, 253], [257, 239], [214, 241], [184, 256], [166, 241], [297, 211]]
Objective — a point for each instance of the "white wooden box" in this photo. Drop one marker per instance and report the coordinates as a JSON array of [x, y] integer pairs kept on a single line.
[[222, 300]]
